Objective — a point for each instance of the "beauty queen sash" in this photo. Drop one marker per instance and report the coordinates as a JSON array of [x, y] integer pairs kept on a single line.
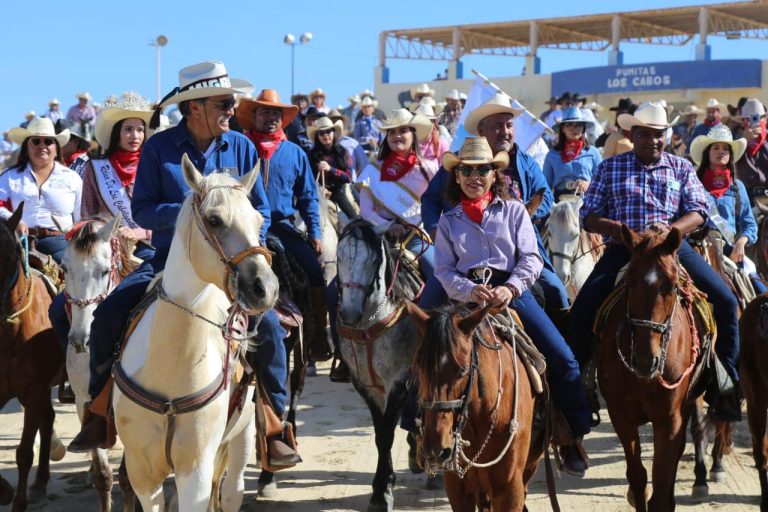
[[392, 196], [112, 191]]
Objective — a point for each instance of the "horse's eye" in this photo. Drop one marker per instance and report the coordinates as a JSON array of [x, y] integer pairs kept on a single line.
[[105, 273], [215, 221], [463, 371]]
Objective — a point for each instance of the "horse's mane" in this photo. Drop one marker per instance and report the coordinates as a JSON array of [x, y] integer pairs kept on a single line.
[[648, 246], [438, 346], [8, 255], [86, 238], [404, 288]]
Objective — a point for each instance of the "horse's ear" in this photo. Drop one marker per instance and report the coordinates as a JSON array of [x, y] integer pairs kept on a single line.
[[249, 180], [14, 219], [382, 228], [672, 242], [535, 202], [468, 324], [419, 317], [109, 229], [191, 175], [629, 237]]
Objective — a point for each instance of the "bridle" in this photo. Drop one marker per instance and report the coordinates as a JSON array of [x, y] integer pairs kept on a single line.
[[22, 250], [116, 266], [230, 262]]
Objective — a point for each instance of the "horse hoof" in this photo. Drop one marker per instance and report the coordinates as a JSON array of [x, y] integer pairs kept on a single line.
[[6, 492], [37, 493], [383, 503], [267, 489], [631, 496], [717, 477], [434, 483], [700, 492], [58, 451]]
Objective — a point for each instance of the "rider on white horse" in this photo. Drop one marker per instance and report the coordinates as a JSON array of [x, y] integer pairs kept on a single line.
[[206, 101]]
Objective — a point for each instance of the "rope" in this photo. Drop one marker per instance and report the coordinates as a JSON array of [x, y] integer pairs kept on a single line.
[[14, 318]]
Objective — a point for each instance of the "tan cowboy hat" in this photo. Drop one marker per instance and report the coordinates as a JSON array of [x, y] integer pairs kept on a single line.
[[498, 104], [713, 103], [54, 101], [691, 110], [650, 114], [401, 117], [317, 93], [422, 89], [266, 98], [354, 99], [475, 151], [453, 94], [325, 123], [336, 115], [425, 109], [85, 95], [369, 102], [719, 133], [38, 127], [129, 105], [203, 80]]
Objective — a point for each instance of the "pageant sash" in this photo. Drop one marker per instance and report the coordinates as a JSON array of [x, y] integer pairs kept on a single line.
[[112, 191]]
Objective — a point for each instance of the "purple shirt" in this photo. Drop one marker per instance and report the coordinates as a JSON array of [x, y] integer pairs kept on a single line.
[[625, 190], [76, 115], [504, 240]]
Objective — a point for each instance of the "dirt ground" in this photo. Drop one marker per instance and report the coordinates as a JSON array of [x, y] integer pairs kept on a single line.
[[336, 442]]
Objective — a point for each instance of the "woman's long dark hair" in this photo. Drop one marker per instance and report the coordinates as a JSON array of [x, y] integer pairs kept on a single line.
[[114, 138], [338, 155], [561, 138], [23, 158], [705, 162], [385, 150], [452, 192]]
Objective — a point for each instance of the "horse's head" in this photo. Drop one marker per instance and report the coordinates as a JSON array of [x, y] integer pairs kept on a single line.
[[93, 264], [9, 255], [361, 265], [443, 365], [563, 230], [222, 238], [651, 279]]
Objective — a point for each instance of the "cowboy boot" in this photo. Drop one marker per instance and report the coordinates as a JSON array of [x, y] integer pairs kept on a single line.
[[574, 459], [339, 369], [93, 433], [320, 348], [278, 451]]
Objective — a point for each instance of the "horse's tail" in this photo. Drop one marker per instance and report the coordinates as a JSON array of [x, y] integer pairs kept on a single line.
[[724, 430]]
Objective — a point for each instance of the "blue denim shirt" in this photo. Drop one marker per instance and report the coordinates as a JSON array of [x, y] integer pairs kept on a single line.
[[160, 188], [583, 167], [743, 222]]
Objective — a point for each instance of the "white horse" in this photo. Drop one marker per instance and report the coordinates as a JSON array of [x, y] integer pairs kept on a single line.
[[215, 268], [95, 262], [572, 249]]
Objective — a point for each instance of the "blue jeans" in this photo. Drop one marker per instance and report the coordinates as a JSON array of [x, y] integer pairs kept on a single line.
[[600, 284], [298, 247], [758, 284], [54, 246]]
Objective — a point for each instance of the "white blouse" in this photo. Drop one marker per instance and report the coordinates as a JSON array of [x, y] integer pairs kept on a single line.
[[59, 197]]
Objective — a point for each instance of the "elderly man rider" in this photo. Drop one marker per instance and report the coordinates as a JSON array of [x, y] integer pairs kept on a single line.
[[647, 188], [494, 120], [288, 181], [206, 101]]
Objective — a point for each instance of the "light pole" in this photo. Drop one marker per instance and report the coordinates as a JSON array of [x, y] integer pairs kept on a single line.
[[158, 43], [290, 40]]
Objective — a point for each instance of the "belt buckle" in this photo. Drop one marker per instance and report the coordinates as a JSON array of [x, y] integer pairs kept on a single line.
[[478, 273]]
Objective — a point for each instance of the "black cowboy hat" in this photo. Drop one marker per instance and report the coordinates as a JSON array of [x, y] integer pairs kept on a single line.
[[734, 111], [566, 96], [552, 99], [624, 104]]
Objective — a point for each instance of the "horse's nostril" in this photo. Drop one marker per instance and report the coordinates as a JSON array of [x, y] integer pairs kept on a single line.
[[258, 288], [445, 454]]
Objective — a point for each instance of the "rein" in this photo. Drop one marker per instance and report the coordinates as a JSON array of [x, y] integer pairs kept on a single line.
[[22, 248]]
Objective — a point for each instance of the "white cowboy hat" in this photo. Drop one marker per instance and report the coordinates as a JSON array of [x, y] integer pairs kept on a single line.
[[426, 100], [719, 133], [691, 110], [367, 92], [500, 103], [422, 89], [753, 110], [85, 95], [595, 107], [38, 127], [203, 80], [650, 114], [440, 107], [354, 99], [317, 93], [369, 102], [463, 96], [325, 123], [29, 115], [475, 151], [54, 101], [128, 106], [713, 103], [426, 110], [401, 117], [453, 94]]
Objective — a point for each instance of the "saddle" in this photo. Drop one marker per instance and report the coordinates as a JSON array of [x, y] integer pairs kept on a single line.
[[511, 329], [48, 269]]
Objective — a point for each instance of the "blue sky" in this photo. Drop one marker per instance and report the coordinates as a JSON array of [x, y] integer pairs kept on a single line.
[[54, 48]]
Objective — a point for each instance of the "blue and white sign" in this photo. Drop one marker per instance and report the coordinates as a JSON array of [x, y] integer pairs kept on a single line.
[[712, 74]]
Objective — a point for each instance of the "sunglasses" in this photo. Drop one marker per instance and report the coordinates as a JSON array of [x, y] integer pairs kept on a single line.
[[225, 105], [468, 171], [46, 141], [325, 132]]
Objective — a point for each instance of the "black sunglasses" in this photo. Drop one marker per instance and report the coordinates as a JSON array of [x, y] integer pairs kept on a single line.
[[481, 171], [224, 105], [325, 132], [37, 140]]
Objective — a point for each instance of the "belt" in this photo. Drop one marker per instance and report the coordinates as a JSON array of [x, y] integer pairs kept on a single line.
[[44, 232], [479, 274], [756, 191]]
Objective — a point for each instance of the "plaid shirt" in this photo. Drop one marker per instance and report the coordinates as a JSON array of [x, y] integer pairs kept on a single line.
[[625, 190]]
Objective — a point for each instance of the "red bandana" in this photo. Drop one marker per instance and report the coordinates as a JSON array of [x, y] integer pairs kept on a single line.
[[753, 146], [717, 182], [125, 164], [395, 167], [474, 208], [73, 157], [571, 150], [713, 122], [266, 143]]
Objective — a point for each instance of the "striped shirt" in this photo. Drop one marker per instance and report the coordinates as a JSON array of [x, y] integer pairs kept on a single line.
[[625, 190]]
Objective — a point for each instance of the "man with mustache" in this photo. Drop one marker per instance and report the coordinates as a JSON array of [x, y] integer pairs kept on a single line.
[[643, 189]]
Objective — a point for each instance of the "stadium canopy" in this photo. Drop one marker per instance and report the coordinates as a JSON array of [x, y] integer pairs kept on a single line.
[[675, 26]]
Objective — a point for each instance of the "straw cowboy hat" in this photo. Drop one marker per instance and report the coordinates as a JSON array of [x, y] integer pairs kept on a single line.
[[691, 110], [500, 103], [475, 151], [317, 93], [354, 99], [453, 94], [85, 95], [401, 117], [369, 102], [54, 101], [367, 92], [574, 115], [719, 133], [426, 100], [426, 110], [127, 106], [266, 98], [203, 80], [649, 114], [752, 110], [422, 89], [38, 127], [325, 123], [30, 115], [713, 103]]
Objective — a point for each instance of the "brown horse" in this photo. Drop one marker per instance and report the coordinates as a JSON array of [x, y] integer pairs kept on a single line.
[[478, 410], [648, 349], [753, 334], [758, 252], [30, 361]]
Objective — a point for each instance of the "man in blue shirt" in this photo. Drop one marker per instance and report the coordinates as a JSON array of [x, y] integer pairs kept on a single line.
[[206, 102]]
